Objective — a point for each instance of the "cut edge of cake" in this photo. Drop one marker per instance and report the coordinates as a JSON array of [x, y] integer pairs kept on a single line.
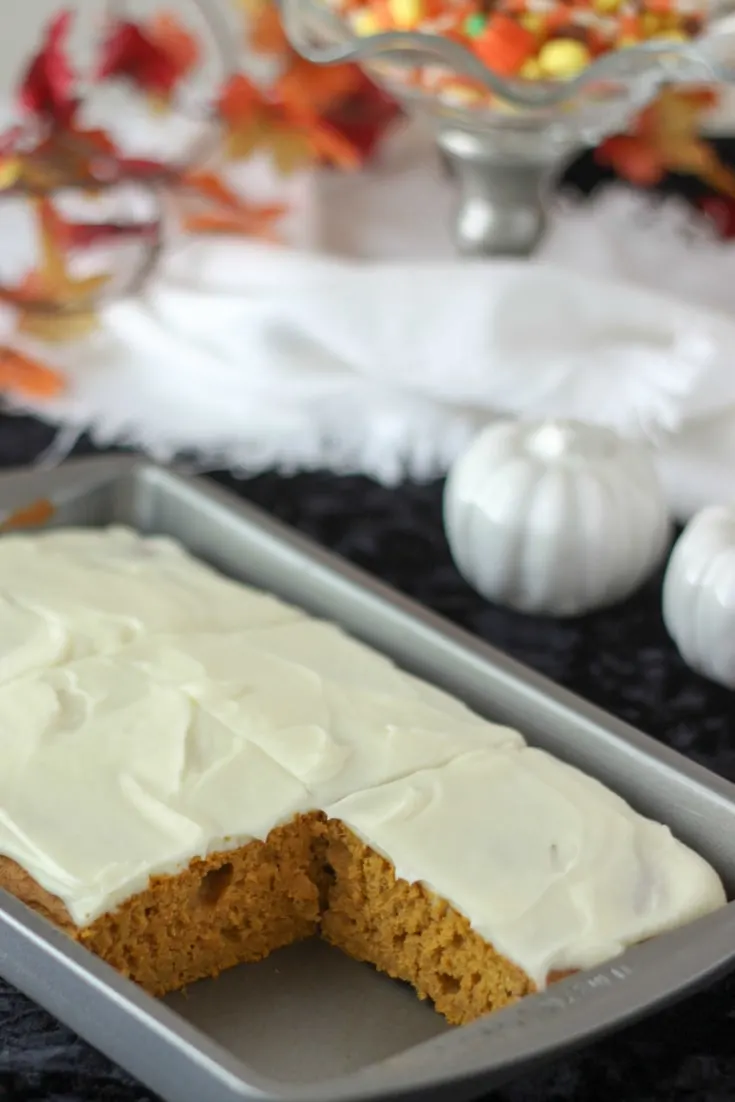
[[311, 877]]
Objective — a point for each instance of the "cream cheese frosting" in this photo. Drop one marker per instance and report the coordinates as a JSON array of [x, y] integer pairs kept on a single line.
[[152, 711], [552, 868]]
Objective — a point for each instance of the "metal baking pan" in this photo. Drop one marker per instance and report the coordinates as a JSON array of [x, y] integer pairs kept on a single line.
[[308, 1025]]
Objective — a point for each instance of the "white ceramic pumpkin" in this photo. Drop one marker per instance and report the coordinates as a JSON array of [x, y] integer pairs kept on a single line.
[[555, 517], [699, 594]]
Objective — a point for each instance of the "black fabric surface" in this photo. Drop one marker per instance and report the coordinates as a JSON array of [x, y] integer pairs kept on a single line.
[[620, 659]]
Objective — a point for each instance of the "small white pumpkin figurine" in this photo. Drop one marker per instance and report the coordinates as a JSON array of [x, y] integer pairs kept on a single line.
[[555, 517], [699, 594]]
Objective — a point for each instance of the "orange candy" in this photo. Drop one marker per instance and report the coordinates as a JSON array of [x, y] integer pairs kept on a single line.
[[505, 45], [557, 19], [630, 25]]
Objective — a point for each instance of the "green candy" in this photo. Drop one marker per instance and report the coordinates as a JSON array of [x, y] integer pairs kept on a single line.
[[474, 25]]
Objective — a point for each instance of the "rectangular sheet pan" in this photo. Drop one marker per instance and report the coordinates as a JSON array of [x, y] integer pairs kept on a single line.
[[308, 1025]]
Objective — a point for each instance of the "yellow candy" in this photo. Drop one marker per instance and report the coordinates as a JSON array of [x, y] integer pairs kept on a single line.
[[532, 21], [662, 26], [606, 7], [365, 23], [531, 70], [563, 57], [674, 36], [406, 14]]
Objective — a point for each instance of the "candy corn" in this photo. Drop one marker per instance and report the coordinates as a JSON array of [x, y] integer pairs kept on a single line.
[[526, 40]]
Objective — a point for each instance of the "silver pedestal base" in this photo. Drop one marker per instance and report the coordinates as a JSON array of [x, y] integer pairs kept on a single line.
[[502, 192]]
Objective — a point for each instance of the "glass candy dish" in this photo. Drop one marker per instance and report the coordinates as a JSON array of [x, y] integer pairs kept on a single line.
[[505, 139]]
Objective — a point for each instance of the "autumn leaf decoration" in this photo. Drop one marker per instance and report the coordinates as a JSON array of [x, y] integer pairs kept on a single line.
[[25, 377], [298, 119], [47, 90], [53, 284], [222, 211], [293, 133], [329, 114], [34, 515], [154, 57], [666, 138], [306, 115]]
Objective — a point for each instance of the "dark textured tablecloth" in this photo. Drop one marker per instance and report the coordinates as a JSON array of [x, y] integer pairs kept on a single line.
[[620, 659]]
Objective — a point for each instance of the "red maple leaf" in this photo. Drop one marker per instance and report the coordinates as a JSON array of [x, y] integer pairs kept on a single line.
[[111, 167], [720, 211], [364, 117], [47, 90], [80, 235], [153, 59], [174, 39]]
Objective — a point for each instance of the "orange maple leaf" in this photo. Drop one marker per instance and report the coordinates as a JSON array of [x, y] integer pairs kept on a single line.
[[54, 305], [239, 98], [326, 143], [292, 133], [53, 274], [210, 186], [632, 158], [27, 377], [249, 221], [30, 516], [666, 138], [318, 87], [302, 83], [51, 279], [231, 214]]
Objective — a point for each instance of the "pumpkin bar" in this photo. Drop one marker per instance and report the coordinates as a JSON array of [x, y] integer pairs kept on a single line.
[[196, 774]]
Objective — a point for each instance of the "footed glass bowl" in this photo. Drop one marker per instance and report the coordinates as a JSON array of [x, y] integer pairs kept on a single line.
[[504, 140]]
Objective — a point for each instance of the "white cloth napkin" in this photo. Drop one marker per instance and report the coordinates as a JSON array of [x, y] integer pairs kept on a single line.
[[366, 345]]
